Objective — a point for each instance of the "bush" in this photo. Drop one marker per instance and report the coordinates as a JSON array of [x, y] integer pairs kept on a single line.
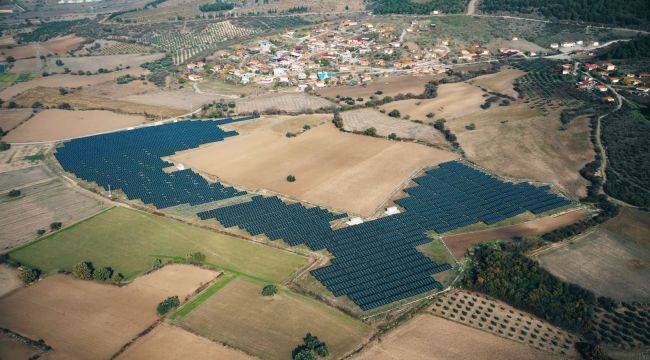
[[195, 258], [166, 305], [14, 193], [56, 225], [430, 115], [117, 278], [291, 178], [40, 232], [28, 275], [395, 113], [370, 131], [157, 264], [269, 290], [83, 270], [392, 136], [338, 121], [103, 274], [4, 146], [471, 126], [310, 349]]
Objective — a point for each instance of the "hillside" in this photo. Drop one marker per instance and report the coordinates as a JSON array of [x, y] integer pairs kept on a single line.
[[419, 7]]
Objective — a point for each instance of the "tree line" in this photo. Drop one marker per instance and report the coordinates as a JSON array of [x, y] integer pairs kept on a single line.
[[412, 7], [633, 49]]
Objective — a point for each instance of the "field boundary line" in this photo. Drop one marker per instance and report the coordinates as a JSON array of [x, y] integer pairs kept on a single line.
[[135, 339], [561, 244], [219, 283]]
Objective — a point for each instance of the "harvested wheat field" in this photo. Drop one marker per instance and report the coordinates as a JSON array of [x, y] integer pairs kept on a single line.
[[516, 141], [362, 119], [429, 337], [343, 171], [68, 80], [52, 46], [279, 124], [459, 243], [612, 260], [11, 348], [23, 156], [9, 281], [171, 342], [270, 327], [501, 82], [389, 86], [89, 320], [55, 124], [10, 118], [289, 102], [453, 100], [177, 99]]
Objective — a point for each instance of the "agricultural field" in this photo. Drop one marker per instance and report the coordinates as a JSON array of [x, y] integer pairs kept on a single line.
[[362, 119], [105, 317], [431, 337], [388, 86], [57, 45], [289, 102], [348, 164], [10, 118], [55, 124], [460, 243], [171, 342], [96, 240], [611, 260], [22, 156], [9, 280], [182, 99], [82, 63], [42, 201], [110, 47], [483, 313], [11, 348], [501, 82], [270, 327]]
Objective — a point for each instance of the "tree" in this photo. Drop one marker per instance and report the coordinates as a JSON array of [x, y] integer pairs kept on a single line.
[[395, 113], [269, 290], [430, 90], [56, 225], [310, 348], [83, 270], [338, 121], [103, 274], [470, 126], [195, 258], [14, 193], [166, 305], [370, 131], [28, 275], [157, 264], [10, 59], [291, 178], [392, 136], [117, 278], [59, 62], [4, 146], [40, 232]]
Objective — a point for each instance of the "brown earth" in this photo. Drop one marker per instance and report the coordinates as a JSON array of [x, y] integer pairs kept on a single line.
[[430, 337], [171, 342], [611, 260], [83, 63], [68, 80], [290, 102], [389, 86], [343, 171], [10, 118], [459, 243], [55, 124], [13, 349], [22, 156], [177, 99], [501, 82], [519, 142], [90, 320], [52, 46], [9, 281], [453, 101], [82, 100]]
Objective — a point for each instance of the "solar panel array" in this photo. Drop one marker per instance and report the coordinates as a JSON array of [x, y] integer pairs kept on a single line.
[[375, 263]]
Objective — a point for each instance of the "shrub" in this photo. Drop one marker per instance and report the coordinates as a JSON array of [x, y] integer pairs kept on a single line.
[[371, 131], [195, 258], [291, 178], [83, 270], [395, 113], [14, 193], [4, 146], [430, 115], [338, 121], [56, 225], [117, 278], [63, 91], [310, 349], [269, 290], [157, 264], [40, 232], [103, 274], [392, 136], [166, 305], [471, 126], [29, 275], [306, 127]]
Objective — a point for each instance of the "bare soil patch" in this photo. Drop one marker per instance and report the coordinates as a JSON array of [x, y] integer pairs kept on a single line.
[[52, 46], [458, 244], [389, 86], [86, 319], [270, 327], [171, 342], [13, 349], [362, 119], [9, 280], [519, 142], [55, 124], [68, 80], [83, 63], [501, 82], [22, 156], [185, 100], [10, 118], [343, 171], [613, 260], [289, 102], [430, 337], [520, 44], [453, 101]]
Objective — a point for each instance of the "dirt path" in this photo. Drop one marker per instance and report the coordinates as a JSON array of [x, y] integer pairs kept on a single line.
[[471, 7]]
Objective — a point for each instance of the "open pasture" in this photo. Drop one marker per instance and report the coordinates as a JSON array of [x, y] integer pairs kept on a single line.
[[184, 100], [86, 319], [431, 337], [132, 252], [41, 203], [270, 327], [363, 119], [83, 63], [611, 260], [460, 243], [289, 102], [53, 46], [55, 124], [501, 82], [22, 156], [347, 172], [387, 86], [167, 342], [10, 118]]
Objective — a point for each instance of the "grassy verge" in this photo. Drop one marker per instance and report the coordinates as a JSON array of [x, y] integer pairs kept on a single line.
[[203, 296]]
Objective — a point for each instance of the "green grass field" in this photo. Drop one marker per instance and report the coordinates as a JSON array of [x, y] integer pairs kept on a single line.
[[8, 77], [129, 241]]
